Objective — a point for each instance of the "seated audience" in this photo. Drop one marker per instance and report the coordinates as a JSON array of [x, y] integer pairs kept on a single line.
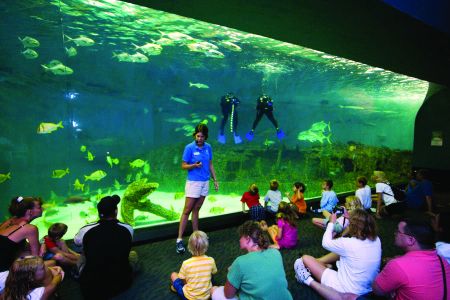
[[29, 278], [272, 200], [17, 230], [419, 193], [284, 234], [57, 248], [251, 198], [357, 257], [106, 249], [386, 202], [194, 279], [420, 273], [259, 274], [298, 198], [363, 192]]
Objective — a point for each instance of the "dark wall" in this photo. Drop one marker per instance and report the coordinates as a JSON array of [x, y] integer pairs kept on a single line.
[[433, 116]]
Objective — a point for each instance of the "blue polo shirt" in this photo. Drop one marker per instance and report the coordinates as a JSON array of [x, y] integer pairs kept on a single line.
[[192, 154]]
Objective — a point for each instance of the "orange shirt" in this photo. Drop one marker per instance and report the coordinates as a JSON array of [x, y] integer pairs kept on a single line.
[[299, 202]]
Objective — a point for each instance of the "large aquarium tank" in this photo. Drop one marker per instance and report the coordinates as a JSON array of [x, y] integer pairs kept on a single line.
[[101, 97]]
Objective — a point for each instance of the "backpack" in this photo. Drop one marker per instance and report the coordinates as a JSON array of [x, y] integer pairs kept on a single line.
[[399, 194]]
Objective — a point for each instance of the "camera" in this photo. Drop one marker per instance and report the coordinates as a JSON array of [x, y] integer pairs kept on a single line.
[[338, 210]]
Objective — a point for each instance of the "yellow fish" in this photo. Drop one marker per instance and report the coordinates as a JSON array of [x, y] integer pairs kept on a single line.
[[83, 148], [45, 128], [97, 175], [60, 173], [78, 185], [117, 185], [137, 163], [213, 118], [4, 177], [90, 156], [111, 160], [352, 148]]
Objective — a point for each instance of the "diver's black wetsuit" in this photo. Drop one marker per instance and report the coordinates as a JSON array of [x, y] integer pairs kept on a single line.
[[264, 106], [226, 103]]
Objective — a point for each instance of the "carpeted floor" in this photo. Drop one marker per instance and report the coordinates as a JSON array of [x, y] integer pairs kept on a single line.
[[159, 259]]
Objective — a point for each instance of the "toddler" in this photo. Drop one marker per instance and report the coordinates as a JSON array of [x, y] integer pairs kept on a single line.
[[194, 279], [285, 232], [57, 248], [251, 198], [272, 199], [298, 198], [329, 199]]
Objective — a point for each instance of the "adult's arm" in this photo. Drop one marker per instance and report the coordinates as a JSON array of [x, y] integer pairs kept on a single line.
[[50, 288], [186, 166], [334, 245], [32, 235], [379, 202], [377, 290], [229, 290]]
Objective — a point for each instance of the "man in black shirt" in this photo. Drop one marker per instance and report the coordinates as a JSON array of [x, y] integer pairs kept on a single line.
[[106, 247]]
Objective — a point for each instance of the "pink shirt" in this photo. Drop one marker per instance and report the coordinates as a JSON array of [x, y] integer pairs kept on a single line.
[[288, 235], [416, 275]]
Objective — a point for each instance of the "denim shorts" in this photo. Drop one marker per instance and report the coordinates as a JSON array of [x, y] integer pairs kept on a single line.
[[178, 285]]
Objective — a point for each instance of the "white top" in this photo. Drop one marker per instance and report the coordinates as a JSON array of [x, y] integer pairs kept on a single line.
[[443, 249], [359, 261], [35, 294], [365, 195], [386, 193], [273, 199]]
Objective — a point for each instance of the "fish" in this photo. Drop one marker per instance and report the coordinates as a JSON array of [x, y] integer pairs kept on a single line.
[[83, 214], [97, 176], [320, 126], [30, 54], [146, 168], [76, 199], [204, 121], [111, 160], [217, 210], [201, 46], [137, 163], [179, 100], [45, 128], [71, 52], [213, 118], [128, 178], [117, 185], [138, 176], [81, 41], [150, 48], [177, 36], [268, 142], [60, 173], [164, 41], [313, 136], [83, 148], [198, 85], [351, 148], [29, 42], [90, 156], [351, 107], [57, 68], [138, 58], [178, 120], [4, 177], [78, 186], [231, 46]]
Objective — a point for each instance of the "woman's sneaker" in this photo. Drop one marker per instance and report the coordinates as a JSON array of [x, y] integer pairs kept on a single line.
[[180, 247], [302, 273]]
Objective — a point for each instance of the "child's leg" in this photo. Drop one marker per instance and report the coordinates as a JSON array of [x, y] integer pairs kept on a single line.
[[61, 258], [326, 214], [316, 267], [177, 285], [319, 222], [329, 258]]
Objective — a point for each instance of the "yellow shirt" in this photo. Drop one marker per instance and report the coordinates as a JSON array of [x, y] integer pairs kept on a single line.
[[197, 271]]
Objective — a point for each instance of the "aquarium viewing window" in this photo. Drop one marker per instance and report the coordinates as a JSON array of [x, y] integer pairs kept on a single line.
[[100, 98]]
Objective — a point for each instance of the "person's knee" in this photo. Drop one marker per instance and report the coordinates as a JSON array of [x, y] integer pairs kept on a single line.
[[308, 260], [59, 257], [174, 276]]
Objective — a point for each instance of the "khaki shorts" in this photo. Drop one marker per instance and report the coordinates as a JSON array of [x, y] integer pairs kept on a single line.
[[196, 189]]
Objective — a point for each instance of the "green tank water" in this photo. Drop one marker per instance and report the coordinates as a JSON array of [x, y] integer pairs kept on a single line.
[[100, 98]]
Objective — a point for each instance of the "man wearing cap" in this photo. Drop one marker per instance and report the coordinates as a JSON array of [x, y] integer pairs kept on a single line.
[[106, 247]]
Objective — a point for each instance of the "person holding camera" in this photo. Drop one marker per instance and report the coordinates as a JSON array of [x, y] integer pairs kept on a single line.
[[357, 256]]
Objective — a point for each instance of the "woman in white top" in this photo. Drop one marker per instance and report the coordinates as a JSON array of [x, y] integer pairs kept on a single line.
[[363, 192]]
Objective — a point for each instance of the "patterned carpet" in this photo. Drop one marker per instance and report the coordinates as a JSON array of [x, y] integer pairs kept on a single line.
[[159, 259]]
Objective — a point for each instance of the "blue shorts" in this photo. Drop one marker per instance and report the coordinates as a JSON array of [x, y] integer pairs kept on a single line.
[[48, 255], [178, 285]]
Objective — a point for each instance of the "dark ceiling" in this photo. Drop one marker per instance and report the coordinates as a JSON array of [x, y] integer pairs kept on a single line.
[[368, 31]]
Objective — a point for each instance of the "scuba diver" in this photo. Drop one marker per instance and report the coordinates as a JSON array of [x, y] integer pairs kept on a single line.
[[229, 104], [264, 106]]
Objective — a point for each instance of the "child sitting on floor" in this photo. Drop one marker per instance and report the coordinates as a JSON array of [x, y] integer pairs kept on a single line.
[[57, 248], [194, 279], [285, 232], [328, 201], [298, 199], [272, 200], [251, 198]]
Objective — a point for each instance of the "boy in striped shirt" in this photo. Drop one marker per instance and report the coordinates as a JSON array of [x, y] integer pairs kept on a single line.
[[193, 282]]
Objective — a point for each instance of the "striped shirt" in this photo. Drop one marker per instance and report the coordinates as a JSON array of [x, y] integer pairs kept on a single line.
[[197, 271]]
